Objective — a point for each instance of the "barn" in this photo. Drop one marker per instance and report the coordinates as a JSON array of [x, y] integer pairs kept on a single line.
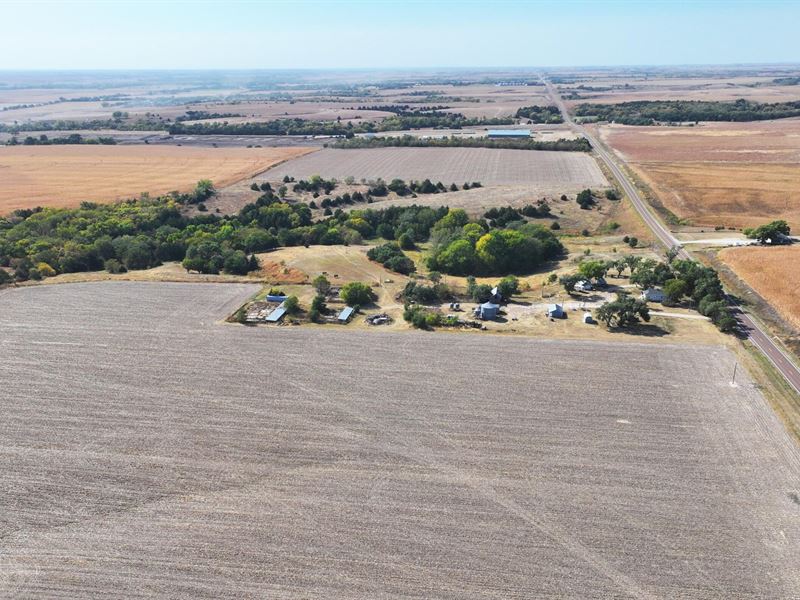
[[508, 133]]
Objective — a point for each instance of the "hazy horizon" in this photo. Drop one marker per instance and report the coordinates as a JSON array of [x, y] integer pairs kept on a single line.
[[308, 35]]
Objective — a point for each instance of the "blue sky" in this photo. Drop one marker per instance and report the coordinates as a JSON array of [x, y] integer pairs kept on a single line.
[[301, 34]]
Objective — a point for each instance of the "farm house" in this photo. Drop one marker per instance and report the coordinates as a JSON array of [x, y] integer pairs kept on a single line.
[[653, 294], [508, 133]]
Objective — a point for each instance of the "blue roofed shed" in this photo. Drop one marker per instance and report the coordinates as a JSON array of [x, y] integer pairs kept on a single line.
[[555, 311], [345, 315], [509, 133], [276, 315]]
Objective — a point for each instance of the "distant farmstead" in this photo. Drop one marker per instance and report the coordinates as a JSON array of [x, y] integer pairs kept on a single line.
[[509, 133]]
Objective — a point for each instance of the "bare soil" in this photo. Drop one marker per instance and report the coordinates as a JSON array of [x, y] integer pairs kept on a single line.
[[154, 452]]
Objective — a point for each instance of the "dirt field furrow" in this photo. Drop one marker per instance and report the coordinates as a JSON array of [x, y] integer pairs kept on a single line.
[[489, 166], [147, 450]]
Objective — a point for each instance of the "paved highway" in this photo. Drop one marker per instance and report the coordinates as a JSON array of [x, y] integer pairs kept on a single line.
[[755, 332]]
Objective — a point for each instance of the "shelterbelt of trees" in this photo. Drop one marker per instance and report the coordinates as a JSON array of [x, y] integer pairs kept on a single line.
[[410, 141], [650, 112], [397, 122], [138, 234]]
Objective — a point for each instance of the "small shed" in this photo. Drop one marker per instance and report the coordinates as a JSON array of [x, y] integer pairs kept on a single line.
[[555, 311], [489, 310], [653, 294], [345, 315], [583, 286], [275, 298], [588, 319], [276, 315]]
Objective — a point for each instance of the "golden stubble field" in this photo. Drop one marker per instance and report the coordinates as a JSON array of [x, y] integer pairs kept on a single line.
[[731, 174], [772, 272], [64, 176]]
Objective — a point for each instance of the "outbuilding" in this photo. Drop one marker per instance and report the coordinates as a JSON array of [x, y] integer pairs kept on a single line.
[[488, 311], [345, 315], [508, 133], [556, 311], [653, 294], [588, 319], [583, 286], [276, 315]]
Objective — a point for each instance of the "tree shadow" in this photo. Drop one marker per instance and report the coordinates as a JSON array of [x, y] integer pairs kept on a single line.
[[641, 329]]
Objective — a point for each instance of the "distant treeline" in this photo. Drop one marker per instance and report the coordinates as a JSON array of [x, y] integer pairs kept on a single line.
[[197, 115], [149, 124], [411, 120], [540, 114], [672, 111], [410, 141], [786, 81], [73, 138]]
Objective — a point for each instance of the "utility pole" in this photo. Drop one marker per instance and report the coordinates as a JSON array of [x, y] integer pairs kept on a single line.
[[733, 378]]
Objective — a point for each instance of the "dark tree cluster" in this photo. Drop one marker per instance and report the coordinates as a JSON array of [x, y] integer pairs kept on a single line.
[[651, 112], [585, 199], [391, 256], [500, 217], [540, 114], [464, 247]]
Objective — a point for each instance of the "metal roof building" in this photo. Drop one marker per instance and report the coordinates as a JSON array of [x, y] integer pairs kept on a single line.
[[489, 310], [555, 311], [345, 315], [276, 315], [507, 133]]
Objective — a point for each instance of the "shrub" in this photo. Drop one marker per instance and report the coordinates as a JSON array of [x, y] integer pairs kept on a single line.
[[112, 265], [292, 305]]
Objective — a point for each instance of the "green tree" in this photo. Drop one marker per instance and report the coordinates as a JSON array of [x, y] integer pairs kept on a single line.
[[321, 284], [770, 233], [292, 305], [593, 269], [357, 293], [508, 287], [675, 289], [569, 281], [236, 263], [624, 311]]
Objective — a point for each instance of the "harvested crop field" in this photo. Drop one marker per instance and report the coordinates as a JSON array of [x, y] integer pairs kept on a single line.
[[154, 452], [489, 166], [773, 273], [759, 141], [67, 175], [729, 174], [727, 194]]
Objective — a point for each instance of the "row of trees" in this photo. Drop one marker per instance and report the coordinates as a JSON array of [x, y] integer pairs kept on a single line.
[[412, 141], [500, 217], [294, 126], [72, 139], [650, 112]]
